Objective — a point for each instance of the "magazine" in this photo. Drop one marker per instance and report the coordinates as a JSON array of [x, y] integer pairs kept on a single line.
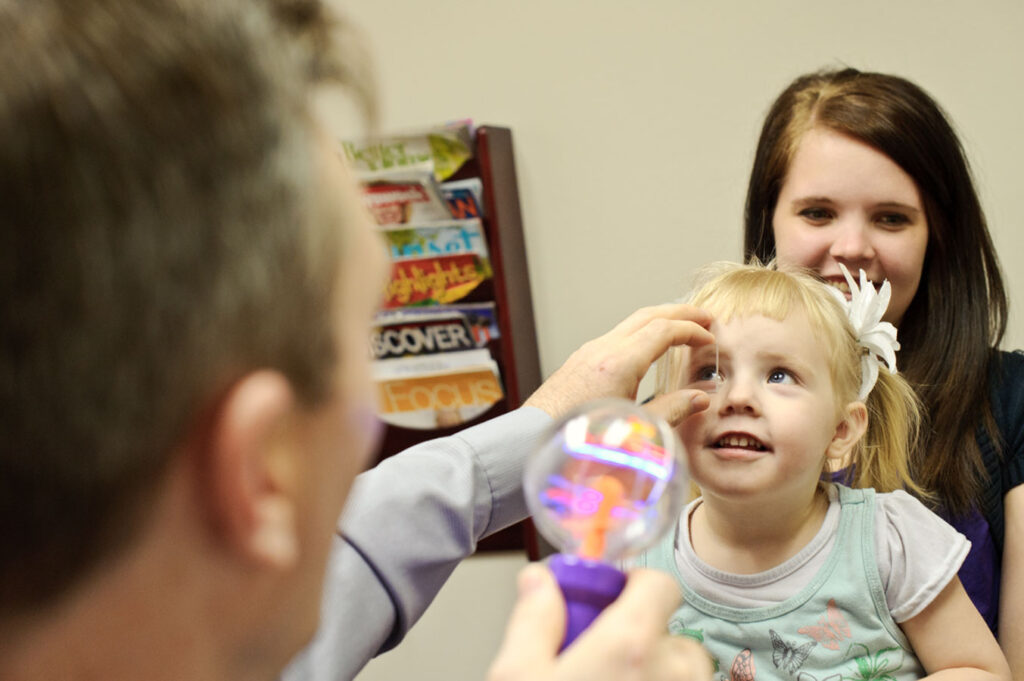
[[464, 198], [439, 238], [445, 147], [481, 317], [439, 391], [406, 195], [439, 280], [424, 335]]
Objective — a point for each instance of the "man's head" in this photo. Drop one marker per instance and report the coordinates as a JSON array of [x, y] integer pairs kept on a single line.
[[180, 254]]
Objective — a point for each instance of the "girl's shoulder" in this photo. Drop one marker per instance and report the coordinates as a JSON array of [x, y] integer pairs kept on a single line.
[[904, 510], [917, 552], [904, 526]]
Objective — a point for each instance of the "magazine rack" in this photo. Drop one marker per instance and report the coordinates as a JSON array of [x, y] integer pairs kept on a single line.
[[515, 350]]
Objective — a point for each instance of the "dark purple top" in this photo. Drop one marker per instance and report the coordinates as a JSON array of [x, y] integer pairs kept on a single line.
[[981, 569]]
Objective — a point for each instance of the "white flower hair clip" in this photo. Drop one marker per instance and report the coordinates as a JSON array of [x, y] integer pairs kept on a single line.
[[877, 338]]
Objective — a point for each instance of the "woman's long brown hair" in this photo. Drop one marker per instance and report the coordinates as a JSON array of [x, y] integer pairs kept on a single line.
[[958, 315]]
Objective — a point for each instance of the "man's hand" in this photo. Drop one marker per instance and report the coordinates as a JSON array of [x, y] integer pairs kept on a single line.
[[613, 365], [628, 641]]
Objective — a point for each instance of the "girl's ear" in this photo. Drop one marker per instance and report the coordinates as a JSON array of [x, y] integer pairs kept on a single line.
[[849, 431]]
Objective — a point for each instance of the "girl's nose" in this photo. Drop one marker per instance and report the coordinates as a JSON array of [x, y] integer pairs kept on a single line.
[[737, 395]]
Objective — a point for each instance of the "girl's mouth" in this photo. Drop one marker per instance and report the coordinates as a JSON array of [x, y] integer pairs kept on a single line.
[[737, 441]]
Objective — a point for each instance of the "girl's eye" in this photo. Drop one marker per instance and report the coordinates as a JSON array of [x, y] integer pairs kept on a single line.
[[780, 376], [706, 378], [707, 373]]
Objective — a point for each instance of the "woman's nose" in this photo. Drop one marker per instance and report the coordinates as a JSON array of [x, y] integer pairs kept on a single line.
[[852, 242]]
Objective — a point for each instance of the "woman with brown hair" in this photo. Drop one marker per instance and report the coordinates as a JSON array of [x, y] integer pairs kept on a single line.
[[865, 170]]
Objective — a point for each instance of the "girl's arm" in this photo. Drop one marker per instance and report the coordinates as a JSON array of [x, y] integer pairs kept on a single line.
[[952, 640], [1011, 594]]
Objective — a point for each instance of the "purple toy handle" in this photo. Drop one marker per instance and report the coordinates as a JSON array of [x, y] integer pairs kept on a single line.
[[588, 587]]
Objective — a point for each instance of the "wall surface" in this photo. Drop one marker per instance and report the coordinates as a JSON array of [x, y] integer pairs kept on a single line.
[[460, 633], [635, 123]]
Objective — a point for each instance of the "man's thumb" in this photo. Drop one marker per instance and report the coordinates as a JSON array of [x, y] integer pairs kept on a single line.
[[536, 627], [676, 406]]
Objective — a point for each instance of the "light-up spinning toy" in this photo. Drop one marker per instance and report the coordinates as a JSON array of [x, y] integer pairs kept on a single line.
[[606, 484]]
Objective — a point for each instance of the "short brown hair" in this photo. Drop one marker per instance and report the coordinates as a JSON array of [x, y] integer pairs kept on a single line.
[[959, 312], [159, 241]]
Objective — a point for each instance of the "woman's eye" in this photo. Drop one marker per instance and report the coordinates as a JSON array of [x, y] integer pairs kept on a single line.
[[816, 214], [893, 220], [780, 376]]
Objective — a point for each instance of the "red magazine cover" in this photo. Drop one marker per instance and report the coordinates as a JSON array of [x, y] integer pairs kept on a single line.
[[435, 281]]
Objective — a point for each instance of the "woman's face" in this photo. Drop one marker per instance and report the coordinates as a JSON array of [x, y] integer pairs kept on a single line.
[[845, 202]]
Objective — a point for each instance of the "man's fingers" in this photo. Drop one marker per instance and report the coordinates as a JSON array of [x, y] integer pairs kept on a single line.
[[658, 335], [676, 311], [650, 595], [628, 358], [677, 658], [643, 610], [676, 407], [624, 636], [628, 640], [536, 627], [614, 364]]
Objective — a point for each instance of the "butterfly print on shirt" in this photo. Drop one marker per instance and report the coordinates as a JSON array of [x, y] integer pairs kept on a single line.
[[831, 628], [743, 666], [789, 657]]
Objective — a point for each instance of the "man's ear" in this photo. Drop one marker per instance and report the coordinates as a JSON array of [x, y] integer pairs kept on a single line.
[[849, 431], [250, 476]]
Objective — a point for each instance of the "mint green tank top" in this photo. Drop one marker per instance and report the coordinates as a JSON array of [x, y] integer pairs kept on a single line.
[[838, 627]]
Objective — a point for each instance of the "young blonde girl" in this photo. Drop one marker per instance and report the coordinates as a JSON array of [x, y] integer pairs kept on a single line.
[[786, 573]]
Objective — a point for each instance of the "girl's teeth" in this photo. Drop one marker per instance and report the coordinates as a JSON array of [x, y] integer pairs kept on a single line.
[[740, 441]]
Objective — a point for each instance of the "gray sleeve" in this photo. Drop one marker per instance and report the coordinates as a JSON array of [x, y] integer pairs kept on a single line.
[[407, 524], [918, 553]]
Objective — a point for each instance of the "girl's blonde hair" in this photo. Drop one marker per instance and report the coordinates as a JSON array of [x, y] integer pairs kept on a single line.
[[728, 290]]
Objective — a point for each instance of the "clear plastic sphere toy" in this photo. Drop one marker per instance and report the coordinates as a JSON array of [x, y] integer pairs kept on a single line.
[[607, 483]]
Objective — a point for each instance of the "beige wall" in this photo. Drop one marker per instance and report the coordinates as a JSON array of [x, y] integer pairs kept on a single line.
[[635, 122]]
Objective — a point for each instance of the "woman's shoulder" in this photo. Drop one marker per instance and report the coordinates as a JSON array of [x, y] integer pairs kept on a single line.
[[1008, 367], [1004, 454], [1007, 393], [1010, 362]]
